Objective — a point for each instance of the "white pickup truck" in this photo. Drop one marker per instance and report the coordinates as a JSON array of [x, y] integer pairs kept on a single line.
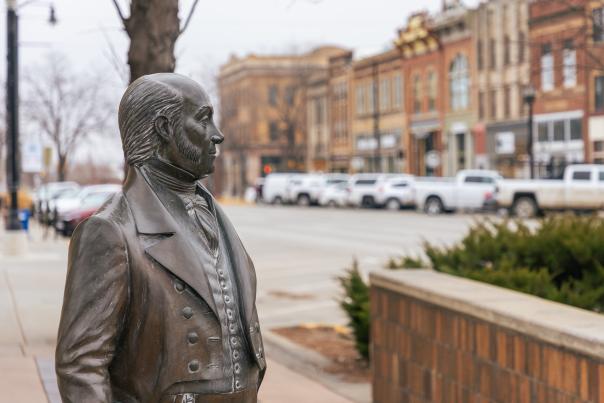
[[581, 189], [468, 190]]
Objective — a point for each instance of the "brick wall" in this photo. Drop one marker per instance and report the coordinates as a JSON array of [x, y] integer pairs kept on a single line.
[[432, 352]]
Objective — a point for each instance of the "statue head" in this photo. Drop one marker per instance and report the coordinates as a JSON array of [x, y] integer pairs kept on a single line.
[[169, 116]]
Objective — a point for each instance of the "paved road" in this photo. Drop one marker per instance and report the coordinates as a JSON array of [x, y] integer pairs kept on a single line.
[[298, 253]]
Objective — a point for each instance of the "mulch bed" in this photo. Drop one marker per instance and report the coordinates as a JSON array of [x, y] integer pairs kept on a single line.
[[334, 343]]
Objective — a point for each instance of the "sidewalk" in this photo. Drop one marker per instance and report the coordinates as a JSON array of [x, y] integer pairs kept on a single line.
[[31, 291]]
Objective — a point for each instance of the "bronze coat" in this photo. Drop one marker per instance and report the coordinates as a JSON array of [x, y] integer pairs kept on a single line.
[[123, 330]]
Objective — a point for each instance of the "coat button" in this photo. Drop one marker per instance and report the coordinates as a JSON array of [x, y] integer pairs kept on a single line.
[[194, 366], [187, 312], [237, 368], [179, 285], [193, 337]]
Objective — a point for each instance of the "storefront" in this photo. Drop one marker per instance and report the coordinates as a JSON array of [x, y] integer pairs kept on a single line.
[[390, 155], [425, 155], [507, 148]]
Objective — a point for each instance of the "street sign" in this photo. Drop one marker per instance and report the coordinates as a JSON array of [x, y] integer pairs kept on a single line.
[[31, 157]]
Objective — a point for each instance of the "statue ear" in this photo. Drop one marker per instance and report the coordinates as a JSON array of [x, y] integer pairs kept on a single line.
[[163, 128]]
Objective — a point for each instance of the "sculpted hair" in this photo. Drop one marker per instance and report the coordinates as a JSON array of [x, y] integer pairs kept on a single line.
[[144, 100]]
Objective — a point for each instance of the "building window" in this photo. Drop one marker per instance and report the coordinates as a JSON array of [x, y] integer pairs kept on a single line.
[[598, 24], [417, 94], [547, 67], [370, 97], [461, 150], [360, 101], [397, 97], [542, 132], [290, 95], [599, 146], [272, 95], [599, 93], [459, 81], [569, 71], [506, 50], [385, 94], [492, 54], [479, 54], [432, 91], [521, 47], [274, 131], [506, 101], [481, 105], [493, 104], [559, 130], [576, 129]]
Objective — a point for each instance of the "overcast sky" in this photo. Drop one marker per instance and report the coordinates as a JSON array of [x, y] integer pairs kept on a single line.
[[88, 29]]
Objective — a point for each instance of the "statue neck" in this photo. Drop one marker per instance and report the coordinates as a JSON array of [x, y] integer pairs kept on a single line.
[[171, 176]]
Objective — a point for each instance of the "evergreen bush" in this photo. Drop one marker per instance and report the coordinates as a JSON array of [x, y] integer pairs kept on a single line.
[[561, 258]]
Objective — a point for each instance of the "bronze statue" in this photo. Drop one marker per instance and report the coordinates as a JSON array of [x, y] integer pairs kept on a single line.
[[159, 303]]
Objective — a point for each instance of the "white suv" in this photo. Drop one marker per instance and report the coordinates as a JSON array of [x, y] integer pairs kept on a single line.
[[396, 192], [363, 188], [305, 190]]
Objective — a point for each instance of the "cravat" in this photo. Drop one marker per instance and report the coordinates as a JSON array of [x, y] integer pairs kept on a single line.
[[198, 209]]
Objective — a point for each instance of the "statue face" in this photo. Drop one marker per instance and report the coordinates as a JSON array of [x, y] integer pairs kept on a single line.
[[193, 144]]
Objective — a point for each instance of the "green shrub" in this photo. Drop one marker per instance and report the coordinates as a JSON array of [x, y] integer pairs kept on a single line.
[[355, 303], [560, 259]]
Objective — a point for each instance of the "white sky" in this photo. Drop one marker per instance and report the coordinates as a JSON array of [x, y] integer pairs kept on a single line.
[[219, 28]]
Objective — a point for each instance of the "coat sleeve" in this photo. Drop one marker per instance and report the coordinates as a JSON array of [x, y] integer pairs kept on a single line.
[[94, 311]]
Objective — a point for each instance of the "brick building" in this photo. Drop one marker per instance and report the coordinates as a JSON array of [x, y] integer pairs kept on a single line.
[[560, 72], [378, 123], [340, 112], [500, 37], [264, 114], [453, 28], [420, 49]]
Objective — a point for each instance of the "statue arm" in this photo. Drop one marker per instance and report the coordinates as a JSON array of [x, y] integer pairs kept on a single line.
[[94, 312]]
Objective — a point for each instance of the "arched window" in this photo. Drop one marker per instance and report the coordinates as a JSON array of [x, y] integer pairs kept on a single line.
[[459, 83]]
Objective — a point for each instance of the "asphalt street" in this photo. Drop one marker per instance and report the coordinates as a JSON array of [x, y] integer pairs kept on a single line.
[[299, 252]]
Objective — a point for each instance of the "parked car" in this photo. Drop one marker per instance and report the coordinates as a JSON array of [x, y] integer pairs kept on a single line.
[[363, 188], [396, 193], [581, 189], [334, 195], [468, 190], [305, 189], [274, 190], [70, 219], [88, 195], [46, 194]]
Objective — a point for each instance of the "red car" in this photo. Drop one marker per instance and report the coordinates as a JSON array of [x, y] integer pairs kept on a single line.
[[70, 219]]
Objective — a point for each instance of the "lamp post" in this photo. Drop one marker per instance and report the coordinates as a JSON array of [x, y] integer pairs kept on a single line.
[[529, 99], [12, 108], [12, 113]]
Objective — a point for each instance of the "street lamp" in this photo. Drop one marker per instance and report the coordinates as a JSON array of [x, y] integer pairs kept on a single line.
[[529, 99], [12, 108]]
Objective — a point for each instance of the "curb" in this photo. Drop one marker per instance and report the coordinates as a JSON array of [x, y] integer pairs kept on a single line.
[[310, 363]]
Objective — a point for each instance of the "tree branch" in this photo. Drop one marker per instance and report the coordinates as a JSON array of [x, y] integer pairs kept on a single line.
[[120, 13], [188, 20]]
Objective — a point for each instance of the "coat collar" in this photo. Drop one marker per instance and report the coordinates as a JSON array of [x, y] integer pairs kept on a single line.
[[156, 212]]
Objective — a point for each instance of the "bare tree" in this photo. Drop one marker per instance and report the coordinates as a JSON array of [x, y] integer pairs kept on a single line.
[[68, 108], [153, 27], [291, 112]]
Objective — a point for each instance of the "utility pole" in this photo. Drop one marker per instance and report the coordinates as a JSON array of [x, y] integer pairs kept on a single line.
[[529, 99], [12, 113], [376, 120]]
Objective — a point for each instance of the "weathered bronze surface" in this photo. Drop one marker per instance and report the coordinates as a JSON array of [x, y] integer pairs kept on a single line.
[[159, 302]]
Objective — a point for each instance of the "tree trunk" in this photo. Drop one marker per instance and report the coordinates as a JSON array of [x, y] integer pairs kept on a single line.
[[62, 168], [153, 28]]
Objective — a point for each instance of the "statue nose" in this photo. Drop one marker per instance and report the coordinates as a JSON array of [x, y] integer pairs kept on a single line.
[[217, 137]]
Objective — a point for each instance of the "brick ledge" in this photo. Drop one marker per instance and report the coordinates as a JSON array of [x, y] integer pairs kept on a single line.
[[562, 325]]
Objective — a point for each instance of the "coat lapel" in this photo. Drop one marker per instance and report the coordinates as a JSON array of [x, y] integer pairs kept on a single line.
[[243, 268], [151, 207]]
